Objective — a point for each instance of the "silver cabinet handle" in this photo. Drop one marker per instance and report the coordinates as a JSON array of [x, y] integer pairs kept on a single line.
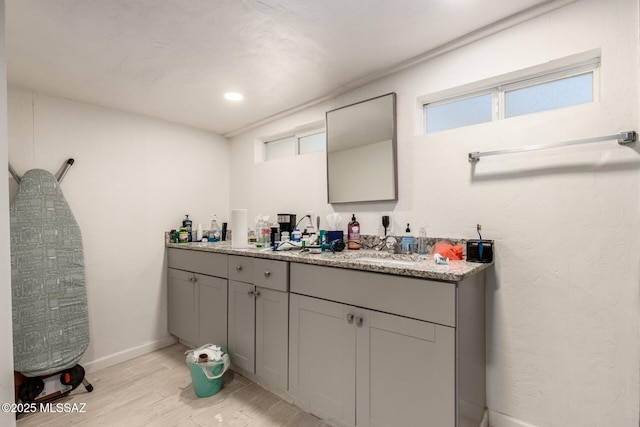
[[359, 321], [238, 268], [251, 293], [256, 293], [350, 318], [267, 273]]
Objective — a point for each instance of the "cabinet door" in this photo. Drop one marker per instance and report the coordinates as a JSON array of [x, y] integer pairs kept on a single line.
[[242, 325], [405, 372], [272, 334], [212, 310], [180, 300], [322, 356]]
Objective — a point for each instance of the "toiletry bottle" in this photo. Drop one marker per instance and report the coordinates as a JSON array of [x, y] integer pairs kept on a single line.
[[407, 241], [214, 230], [187, 223], [183, 235], [296, 235], [422, 241], [353, 233], [265, 232]]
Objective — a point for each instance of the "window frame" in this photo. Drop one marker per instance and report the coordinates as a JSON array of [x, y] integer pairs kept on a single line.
[[309, 133], [295, 137], [518, 80]]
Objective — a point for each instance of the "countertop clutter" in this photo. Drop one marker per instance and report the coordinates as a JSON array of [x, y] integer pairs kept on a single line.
[[411, 265]]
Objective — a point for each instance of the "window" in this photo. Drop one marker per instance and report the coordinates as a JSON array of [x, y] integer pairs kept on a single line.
[[289, 146], [455, 114], [549, 96], [283, 147], [533, 94], [312, 142]]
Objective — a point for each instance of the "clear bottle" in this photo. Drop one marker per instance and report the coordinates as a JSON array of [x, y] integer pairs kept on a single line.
[[353, 234], [265, 232], [214, 230], [422, 241]]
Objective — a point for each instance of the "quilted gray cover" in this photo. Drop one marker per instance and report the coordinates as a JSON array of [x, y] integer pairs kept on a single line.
[[50, 318]]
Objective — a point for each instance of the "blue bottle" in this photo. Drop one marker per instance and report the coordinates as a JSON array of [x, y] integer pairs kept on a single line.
[[407, 241]]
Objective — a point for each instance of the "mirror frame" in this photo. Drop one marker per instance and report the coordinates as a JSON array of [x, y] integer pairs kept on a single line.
[[394, 144]]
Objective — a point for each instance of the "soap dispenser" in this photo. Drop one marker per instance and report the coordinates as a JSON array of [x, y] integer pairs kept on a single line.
[[353, 234], [407, 241]]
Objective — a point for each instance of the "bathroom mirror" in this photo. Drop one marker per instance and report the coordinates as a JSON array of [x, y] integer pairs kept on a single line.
[[361, 151]]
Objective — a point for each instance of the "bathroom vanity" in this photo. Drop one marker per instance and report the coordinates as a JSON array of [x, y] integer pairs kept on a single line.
[[360, 338]]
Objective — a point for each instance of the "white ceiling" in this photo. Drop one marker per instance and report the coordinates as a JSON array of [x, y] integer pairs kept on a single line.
[[174, 59]]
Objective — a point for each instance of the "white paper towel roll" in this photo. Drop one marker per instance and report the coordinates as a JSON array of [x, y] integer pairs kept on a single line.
[[239, 238]]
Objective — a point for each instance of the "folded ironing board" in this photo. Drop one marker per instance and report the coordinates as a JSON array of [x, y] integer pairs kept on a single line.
[[50, 317]]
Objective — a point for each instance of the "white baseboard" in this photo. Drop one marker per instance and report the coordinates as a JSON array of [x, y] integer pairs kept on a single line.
[[485, 419], [123, 356], [497, 419]]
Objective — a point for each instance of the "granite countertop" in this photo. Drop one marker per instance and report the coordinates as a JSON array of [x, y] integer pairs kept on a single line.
[[413, 265]]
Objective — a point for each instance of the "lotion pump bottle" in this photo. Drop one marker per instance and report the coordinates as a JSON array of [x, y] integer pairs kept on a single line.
[[353, 234]]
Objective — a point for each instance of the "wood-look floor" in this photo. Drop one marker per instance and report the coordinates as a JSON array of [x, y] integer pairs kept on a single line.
[[156, 390]]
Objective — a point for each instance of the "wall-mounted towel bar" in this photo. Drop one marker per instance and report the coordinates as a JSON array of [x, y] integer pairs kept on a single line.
[[60, 177], [622, 138]]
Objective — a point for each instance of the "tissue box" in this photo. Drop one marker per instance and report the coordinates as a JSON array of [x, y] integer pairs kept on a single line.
[[474, 254], [335, 235]]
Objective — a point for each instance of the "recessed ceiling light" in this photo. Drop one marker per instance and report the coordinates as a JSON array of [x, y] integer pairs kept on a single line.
[[233, 96]]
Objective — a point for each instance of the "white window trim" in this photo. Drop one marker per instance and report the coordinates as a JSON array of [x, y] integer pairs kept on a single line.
[[566, 67], [296, 135]]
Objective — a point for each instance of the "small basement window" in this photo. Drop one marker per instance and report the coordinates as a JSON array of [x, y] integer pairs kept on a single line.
[[550, 95], [278, 148], [308, 142], [457, 113], [533, 94]]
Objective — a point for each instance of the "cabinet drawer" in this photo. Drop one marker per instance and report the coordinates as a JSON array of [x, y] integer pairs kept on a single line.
[[271, 274], [241, 268], [208, 263], [422, 299]]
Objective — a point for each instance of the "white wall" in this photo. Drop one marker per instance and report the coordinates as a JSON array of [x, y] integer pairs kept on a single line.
[[562, 300], [6, 331], [133, 178]]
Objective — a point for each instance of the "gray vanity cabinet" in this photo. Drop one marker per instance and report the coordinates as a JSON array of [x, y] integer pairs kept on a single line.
[[370, 349], [197, 297], [258, 318], [349, 364]]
